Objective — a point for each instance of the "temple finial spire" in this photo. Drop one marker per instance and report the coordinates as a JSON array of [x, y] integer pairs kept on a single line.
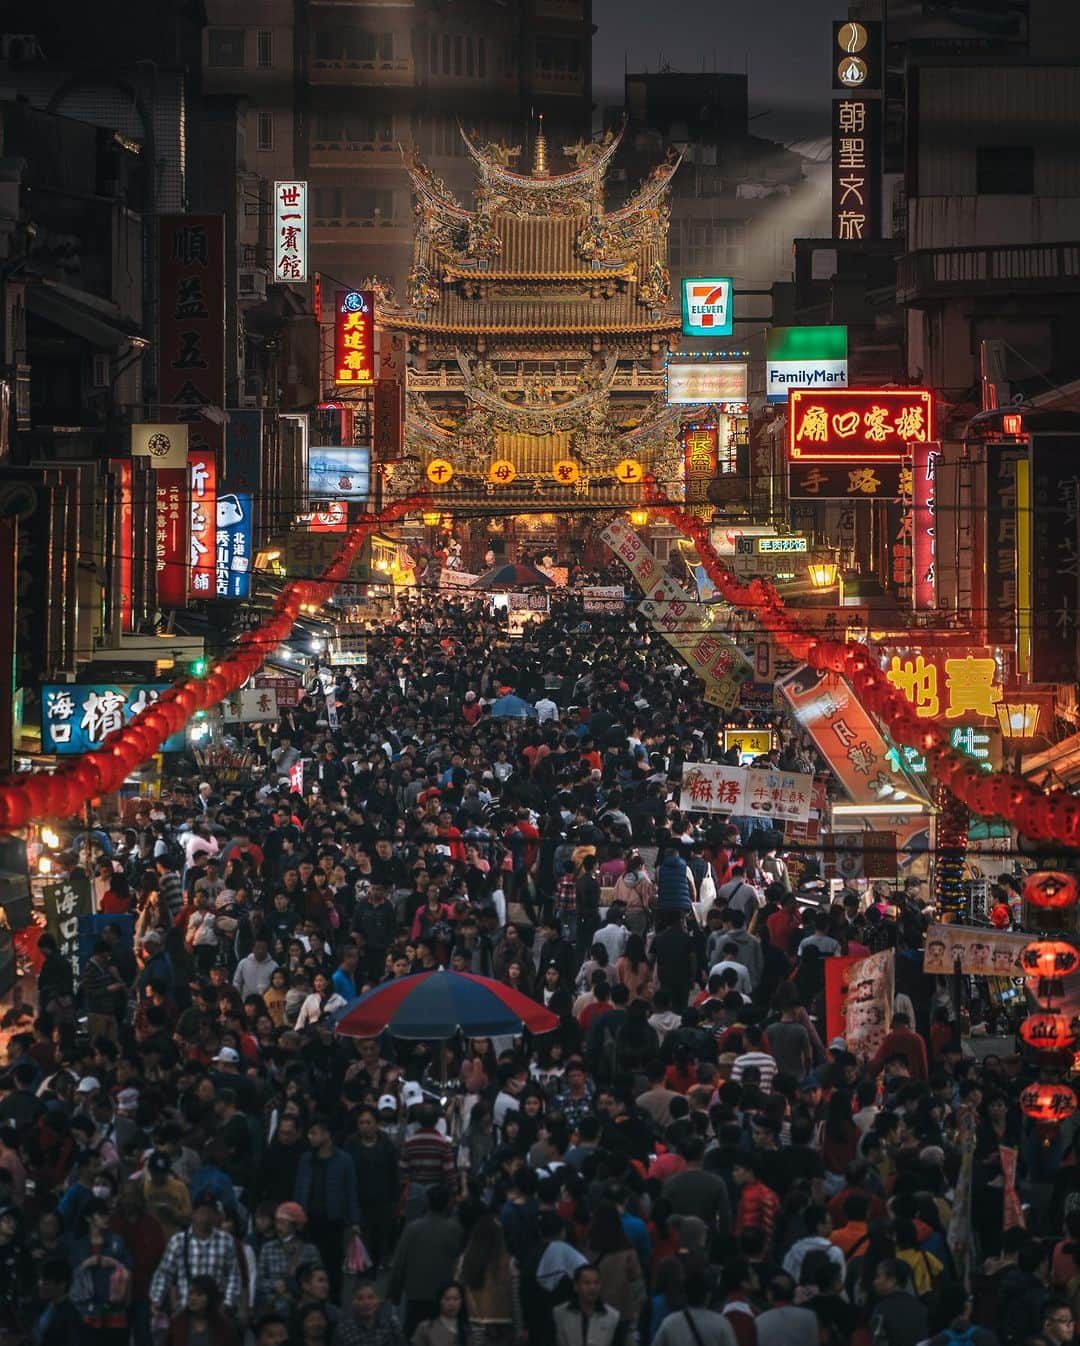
[[540, 160]]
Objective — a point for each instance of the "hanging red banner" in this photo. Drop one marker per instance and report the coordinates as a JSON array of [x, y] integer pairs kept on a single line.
[[925, 459], [354, 338], [202, 470], [171, 536]]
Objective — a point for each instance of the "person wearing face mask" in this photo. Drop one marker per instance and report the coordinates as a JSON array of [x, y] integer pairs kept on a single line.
[[101, 1287]]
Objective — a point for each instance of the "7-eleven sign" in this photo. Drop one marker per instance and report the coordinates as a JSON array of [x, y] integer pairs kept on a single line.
[[706, 306]]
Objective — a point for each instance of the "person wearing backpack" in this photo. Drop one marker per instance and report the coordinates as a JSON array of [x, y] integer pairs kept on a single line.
[[955, 1307]]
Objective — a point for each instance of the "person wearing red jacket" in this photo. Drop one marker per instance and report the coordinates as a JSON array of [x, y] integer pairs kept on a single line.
[[758, 1205], [903, 1041]]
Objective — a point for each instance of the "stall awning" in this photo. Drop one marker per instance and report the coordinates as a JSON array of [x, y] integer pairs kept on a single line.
[[97, 321], [1059, 764]]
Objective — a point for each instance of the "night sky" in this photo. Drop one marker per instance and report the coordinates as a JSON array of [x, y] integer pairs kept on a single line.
[[783, 43]]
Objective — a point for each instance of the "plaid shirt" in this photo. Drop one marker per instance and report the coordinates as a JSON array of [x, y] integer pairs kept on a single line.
[[280, 1262], [566, 894], [187, 1256]]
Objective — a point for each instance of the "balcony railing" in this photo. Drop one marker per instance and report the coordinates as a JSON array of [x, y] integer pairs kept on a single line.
[[452, 380], [346, 70], [941, 273]]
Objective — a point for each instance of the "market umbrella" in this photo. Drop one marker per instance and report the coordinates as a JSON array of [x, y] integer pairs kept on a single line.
[[512, 707], [513, 577], [431, 1005]]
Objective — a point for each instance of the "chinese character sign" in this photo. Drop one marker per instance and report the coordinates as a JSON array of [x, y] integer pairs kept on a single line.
[[925, 459], [65, 901], [290, 232], [701, 446], [1055, 556], [857, 426], [251, 705], [636, 556], [856, 169], [76, 717], [202, 471], [948, 684], [232, 551], [710, 787], [191, 323], [354, 338], [780, 795], [171, 536], [124, 514]]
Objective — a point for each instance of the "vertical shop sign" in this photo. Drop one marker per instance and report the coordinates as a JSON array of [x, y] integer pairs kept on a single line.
[[124, 475], [234, 542], [701, 448], [202, 467], [171, 536], [1055, 556], [354, 338], [1001, 556], [856, 169], [925, 459], [191, 323], [290, 232]]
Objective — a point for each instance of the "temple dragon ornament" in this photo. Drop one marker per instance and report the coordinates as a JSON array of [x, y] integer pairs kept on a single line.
[[536, 325]]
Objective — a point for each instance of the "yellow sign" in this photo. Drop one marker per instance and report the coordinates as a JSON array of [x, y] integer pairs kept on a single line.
[[629, 471], [502, 471], [566, 472], [439, 471], [753, 741], [957, 686]]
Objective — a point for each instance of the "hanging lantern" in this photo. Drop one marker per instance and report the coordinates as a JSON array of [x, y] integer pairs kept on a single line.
[[1050, 890], [1049, 958], [1048, 1102], [1048, 1032]]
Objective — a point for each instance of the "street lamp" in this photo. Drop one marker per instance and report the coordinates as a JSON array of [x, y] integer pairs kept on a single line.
[[431, 520], [639, 517], [823, 570]]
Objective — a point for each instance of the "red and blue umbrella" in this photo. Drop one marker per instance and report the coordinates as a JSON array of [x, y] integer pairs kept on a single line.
[[510, 576], [435, 1005]]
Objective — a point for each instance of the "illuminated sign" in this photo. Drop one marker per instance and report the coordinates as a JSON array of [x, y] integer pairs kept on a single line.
[[722, 383], [77, 717], [233, 550], [566, 471], [750, 742], [191, 325], [170, 536], [290, 232], [701, 449], [706, 306], [629, 471], [164, 445], [331, 517], [502, 472], [439, 471], [775, 556], [202, 534], [856, 169], [820, 481], [354, 338], [764, 545], [924, 525], [339, 473], [940, 684], [856, 55], [804, 357], [858, 426]]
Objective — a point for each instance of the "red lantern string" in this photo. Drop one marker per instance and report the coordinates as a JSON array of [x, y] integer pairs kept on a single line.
[[33, 795], [1052, 815]]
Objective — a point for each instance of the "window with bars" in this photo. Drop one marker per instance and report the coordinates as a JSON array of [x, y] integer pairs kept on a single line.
[[225, 47], [708, 244], [265, 49], [264, 131], [462, 55]]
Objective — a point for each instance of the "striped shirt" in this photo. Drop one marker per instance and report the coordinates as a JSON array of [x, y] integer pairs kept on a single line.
[[428, 1158], [765, 1064]]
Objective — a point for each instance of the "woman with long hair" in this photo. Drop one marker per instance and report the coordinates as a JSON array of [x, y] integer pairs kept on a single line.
[[323, 1001], [633, 969], [489, 1276], [450, 1327], [637, 893], [203, 1320], [840, 1139], [622, 1284]]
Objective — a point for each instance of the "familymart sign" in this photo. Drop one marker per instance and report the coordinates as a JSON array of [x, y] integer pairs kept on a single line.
[[805, 357]]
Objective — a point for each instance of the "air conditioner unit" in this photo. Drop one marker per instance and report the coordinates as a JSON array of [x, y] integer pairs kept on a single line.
[[100, 371], [252, 283]]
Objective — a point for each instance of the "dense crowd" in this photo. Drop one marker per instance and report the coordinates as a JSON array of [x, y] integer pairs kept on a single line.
[[190, 1154]]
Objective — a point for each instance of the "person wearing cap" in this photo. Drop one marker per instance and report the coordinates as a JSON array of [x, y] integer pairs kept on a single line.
[[280, 1258], [202, 1250], [166, 1197]]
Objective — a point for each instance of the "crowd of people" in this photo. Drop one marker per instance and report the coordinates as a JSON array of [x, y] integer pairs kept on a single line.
[[191, 1154]]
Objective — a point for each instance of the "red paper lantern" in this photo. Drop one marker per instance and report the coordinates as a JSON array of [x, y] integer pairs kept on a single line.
[[1048, 1102], [1051, 890], [1049, 958], [1047, 1031]]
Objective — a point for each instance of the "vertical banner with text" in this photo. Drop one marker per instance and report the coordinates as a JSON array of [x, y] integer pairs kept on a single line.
[[191, 323], [202, 468], [924, 590]]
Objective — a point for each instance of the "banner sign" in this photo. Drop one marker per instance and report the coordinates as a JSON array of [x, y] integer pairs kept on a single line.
[[983, 952], [603, 598], [856, 168], [296, 777], [696, 633], [954, 684], [170, 536], [65, 901], [720, 383], [1000, 558], [251, 705], [859, 996], [288, 690], [389, 440], [233, 544], [457, 579], [125, 541], [711, 787], [820, 481], [290, 232], [779, 796], [1055, 554], [202, 467], [528, 602], [191, 323], [804, 357], [354, 338], [701, 451], [859, 425], [636, 556], [826, 706], [924, 593], [77, 716], [343, 473]]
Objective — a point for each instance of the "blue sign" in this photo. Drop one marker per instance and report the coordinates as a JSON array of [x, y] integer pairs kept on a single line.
[[233, 570], [339, 474], [77, 716]]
